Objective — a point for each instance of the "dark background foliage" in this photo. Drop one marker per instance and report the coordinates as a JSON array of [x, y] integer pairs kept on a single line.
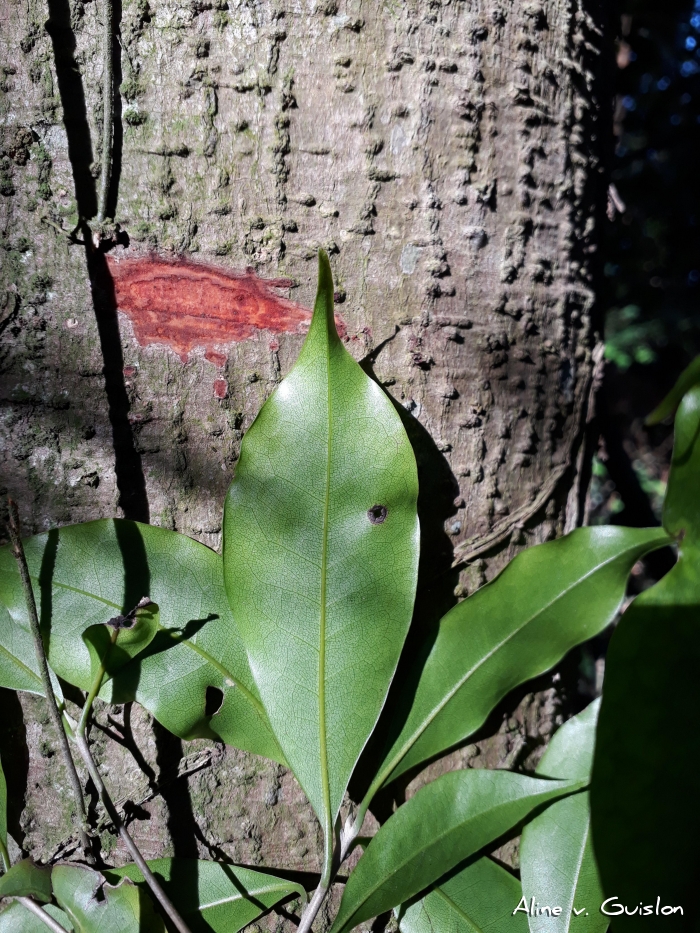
[[652, 251]]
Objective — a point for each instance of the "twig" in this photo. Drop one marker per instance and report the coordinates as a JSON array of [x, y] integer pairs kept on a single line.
[[134, 851], [54, 712], [39, 912], [80, 739], [107, 106]]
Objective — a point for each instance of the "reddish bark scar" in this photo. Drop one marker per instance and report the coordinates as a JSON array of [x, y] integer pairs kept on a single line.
[[220, 388], [187, 304]]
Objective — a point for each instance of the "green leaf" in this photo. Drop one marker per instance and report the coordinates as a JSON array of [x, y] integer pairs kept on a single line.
[[548, 599], [117, 642], [15, 918], [321, 554], [84, 575], [645, 814], [445, 823], [25, 879], [19, 669], [557, 865], [689, 378], [477, 899], [214, 897], [95, 906], [681, 516]]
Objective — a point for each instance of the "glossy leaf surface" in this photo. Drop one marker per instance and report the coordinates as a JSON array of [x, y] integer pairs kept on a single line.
[[25, 879], [480, 897], [214, 897], [83, 575], [645, 816], [445, 823], [557, 865], [548, 599], [321, 554], [94, 906], [15, 918]]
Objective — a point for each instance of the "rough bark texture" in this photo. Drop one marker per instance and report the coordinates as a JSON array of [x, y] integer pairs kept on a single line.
[[449, 155]]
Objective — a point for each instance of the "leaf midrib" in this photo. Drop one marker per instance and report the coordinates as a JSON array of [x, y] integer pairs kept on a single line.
[[397, 759], [325, 780], [577, 874], [74, 589], [437, 840], [226, 674], [458, 910], [269, 889]]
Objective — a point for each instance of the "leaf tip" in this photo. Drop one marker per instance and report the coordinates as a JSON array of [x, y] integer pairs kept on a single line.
[[324, 305]]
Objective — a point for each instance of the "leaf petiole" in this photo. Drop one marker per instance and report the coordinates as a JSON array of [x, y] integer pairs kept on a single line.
[[96, 686], [149, 877]]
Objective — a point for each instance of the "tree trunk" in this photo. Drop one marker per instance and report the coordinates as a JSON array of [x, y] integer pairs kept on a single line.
[[448, 154]]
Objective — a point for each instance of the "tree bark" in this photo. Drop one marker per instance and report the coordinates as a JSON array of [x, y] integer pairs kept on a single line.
[[449, 155]]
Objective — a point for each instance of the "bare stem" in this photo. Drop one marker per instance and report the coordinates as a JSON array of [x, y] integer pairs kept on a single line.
[[54, 712], [331, 863], [107, 105], [313, 908], [134, 851], [39, 912]]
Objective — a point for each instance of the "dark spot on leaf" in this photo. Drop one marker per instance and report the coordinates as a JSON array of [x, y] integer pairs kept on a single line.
[[214, 701], [377, 514], [128, 620]]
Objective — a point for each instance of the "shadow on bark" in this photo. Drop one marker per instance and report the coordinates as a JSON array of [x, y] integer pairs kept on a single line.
[[637, 511], [15, 760], [182, 826], [128, 468]]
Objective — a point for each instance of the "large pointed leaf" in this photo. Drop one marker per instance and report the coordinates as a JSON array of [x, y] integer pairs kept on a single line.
[[477, 899], [445, 823], [15, 918], [320, 556], [644, 791], [548, 599], [25, 879], [83, 575], [212, 897], [95, 906], [557, 865]]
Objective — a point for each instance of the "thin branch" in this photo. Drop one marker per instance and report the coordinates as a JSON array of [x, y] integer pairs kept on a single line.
[[134, 851], [107, 106], [54, 712], [39, 912]]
